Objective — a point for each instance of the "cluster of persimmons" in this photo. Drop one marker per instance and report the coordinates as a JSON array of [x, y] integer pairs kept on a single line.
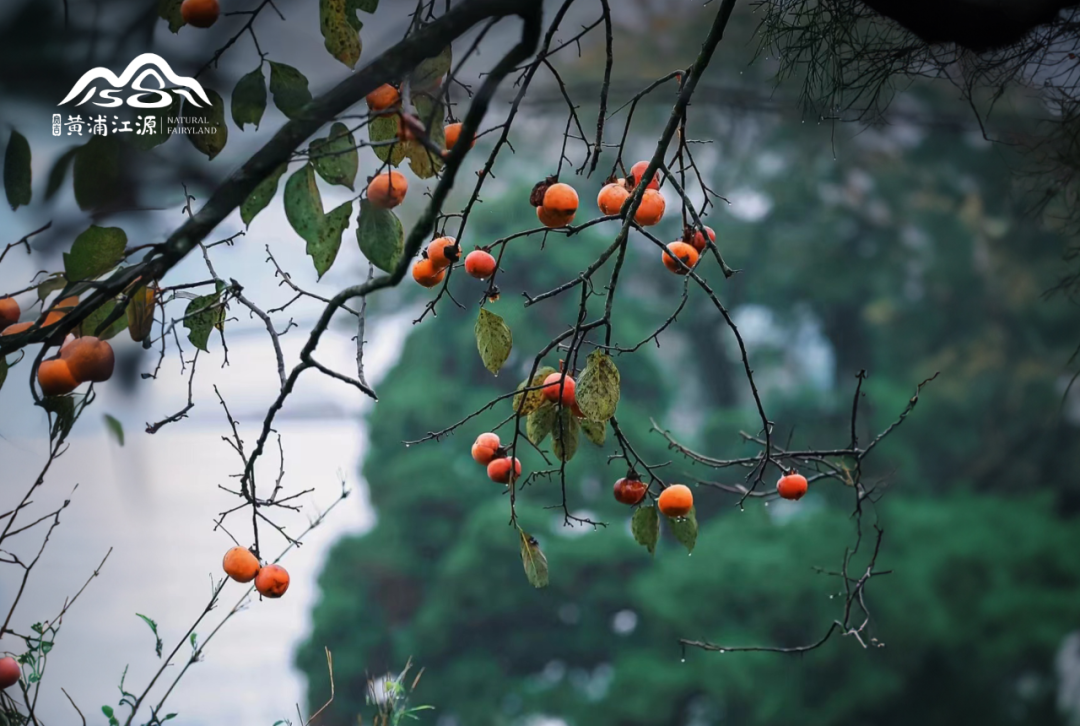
[[80, 360], [241, 565]]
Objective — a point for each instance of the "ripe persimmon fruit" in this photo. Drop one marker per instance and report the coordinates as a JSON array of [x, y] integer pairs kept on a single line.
[[651, 209], [240, 564], [679, 251], [556, 382], [17, 328], [60, 309], [272, 581], [676, 501], [480, 264], [55, 378], [485, 447], [611, 198], [499, 469], [200, 13], [387, 190], [427, 274], [89, 359], [443, 252], [638, 170], [698, 239], [630, 491], [792, 486], [383, 97], [9, 672], [9, 312], [453, 131], [560, 203]]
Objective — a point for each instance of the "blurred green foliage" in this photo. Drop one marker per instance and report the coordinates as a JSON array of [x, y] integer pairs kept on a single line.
[[905, 252]]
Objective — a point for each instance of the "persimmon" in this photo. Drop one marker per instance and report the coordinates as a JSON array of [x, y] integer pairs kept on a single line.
[[559, 205], [499, 469], [55, 378], [480, 264], [651, 209], [485, 448], [387, 190], [9, 312], [383, 97], [638, 170], [556, 382], [17, 328], [272, 581], [698, 239], [200, 13], [453, 131], [630, 491], [427, 274], [60, 309], [611, 198], [89, 359], [680, 251], [792, 486], [443, 252], [9, 672], [240, 564], [676, 501]]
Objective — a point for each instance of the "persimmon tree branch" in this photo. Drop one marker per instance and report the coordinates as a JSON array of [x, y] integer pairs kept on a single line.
[[392, 64]]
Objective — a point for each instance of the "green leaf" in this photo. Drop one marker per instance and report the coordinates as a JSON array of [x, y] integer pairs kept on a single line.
[[598, 387], [17, 171], [645, 526], [3, 369], [62, 409], [385, 128], [249, 99], [58, 172], [201, 316], [533, 399], [425, 163], [51, 284], [97, 172], [352, 7], [261, 195], [290, 89], [380, 236], [685, 529], [336, 158], [324, 251], [303, 203], [107, 710], [595, 431], [340, 36], [117, 430], [428, 73], [91, 324], [539, 423], [493, 339], [170, 10], [154, 126], [565, 435], [536, 565], [153, 627], [95, 252], [210, 132]]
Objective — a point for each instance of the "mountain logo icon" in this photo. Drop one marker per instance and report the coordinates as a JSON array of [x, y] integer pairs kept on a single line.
[[140, 70]]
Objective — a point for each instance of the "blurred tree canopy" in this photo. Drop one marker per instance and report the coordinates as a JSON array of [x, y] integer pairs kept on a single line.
[[905, 254]]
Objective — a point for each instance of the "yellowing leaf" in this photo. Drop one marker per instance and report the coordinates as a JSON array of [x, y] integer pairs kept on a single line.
[[493, 339], [598, 387], [534, 561], [533, 399], [339, 36]]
